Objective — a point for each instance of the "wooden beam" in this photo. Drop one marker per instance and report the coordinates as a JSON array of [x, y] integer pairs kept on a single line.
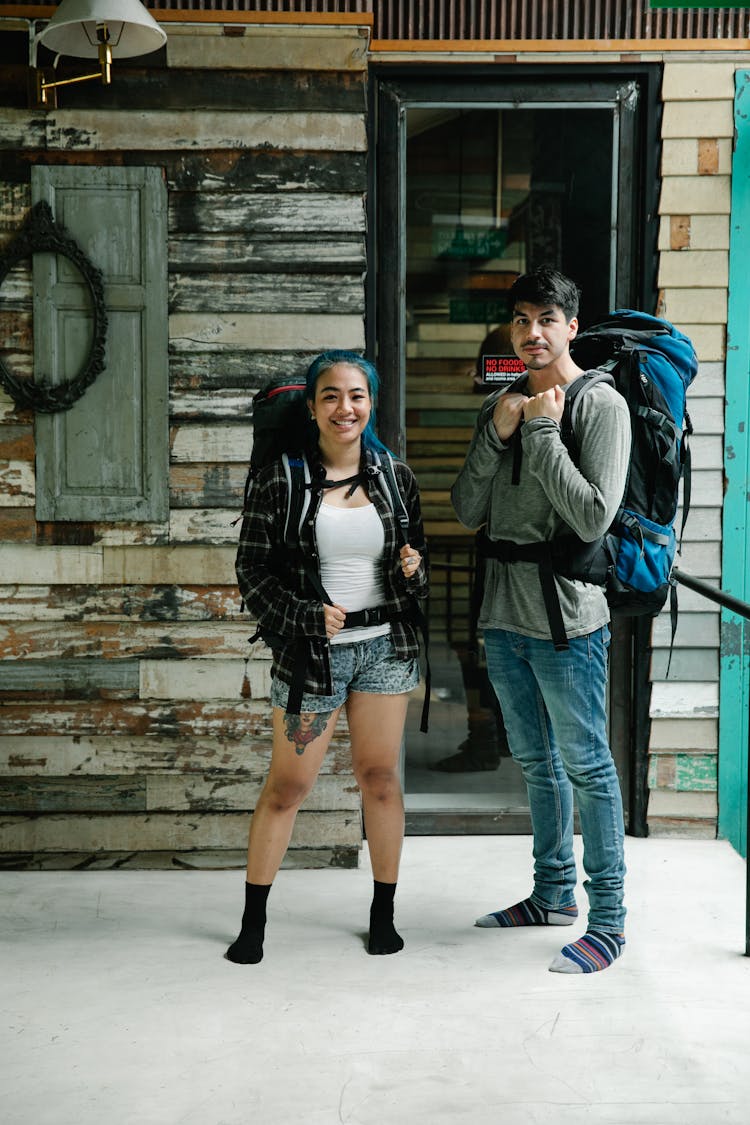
[[326, 19], [517, 47]]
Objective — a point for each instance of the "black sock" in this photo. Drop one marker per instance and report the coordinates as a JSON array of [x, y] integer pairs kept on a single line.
[[248, 948], [383, 937]]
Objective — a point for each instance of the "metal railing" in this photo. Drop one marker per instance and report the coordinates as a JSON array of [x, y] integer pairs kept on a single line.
[[742, 609]]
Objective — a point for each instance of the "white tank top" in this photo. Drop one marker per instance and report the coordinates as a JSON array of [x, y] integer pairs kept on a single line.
[[350, 546]]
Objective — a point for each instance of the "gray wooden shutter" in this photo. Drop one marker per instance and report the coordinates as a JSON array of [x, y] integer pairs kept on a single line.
[[107, 458]]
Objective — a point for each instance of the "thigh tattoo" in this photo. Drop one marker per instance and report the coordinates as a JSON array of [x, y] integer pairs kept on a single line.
[[303, 729]]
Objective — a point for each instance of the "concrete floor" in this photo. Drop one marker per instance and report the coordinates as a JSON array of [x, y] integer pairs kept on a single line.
[[120, 1009]]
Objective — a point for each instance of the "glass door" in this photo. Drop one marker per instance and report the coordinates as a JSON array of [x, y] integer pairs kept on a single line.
[[486, 190]]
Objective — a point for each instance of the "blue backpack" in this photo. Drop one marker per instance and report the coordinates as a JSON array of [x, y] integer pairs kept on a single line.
[[652, 365]]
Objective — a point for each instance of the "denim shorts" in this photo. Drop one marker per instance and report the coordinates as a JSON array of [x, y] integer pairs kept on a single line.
[[367, 666]]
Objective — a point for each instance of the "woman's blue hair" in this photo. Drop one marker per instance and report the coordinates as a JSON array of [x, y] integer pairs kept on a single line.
[[325, 361]]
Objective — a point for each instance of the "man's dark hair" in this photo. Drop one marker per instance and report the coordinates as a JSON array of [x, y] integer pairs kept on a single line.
[[546, 286]]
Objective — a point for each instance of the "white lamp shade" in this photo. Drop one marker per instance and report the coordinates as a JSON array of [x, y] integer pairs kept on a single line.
[[72, 29]]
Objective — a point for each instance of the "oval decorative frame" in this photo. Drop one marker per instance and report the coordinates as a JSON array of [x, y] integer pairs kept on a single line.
[[41, 232]]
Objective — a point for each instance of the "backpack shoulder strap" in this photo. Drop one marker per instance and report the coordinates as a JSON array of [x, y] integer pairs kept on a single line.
[[583, 383], [518, 386], [573, 393], [297, 473], [384, 462]]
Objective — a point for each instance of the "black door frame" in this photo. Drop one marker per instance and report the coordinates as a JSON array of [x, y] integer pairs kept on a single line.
[[634, 90]]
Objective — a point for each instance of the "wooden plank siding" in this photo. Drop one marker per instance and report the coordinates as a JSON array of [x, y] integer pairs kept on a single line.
[[135, 726], [693, 275]]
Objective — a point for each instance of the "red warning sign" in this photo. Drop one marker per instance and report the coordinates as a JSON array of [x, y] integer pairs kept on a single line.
[[501, 370]]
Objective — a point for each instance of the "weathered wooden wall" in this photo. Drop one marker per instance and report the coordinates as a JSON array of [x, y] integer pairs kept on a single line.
[[124, 737]]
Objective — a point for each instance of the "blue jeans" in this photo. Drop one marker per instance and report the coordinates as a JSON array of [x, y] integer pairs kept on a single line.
[[554, 707]]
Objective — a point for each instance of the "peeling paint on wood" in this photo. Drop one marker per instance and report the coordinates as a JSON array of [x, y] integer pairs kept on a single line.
[[17, 287], [684, 700], [15, 200], [118, 640], [212, 525], [228, 792], [20, 129], [264, 170], [207, 486], [268, 170], [69, 679], [73, 755], [159, 793], [74, 794], [130, 535], [226, 404], [684, 772], [258, 213], [266, 292], [10, 413], [16, 332], [141, 130], [219, 366], [17, 483], [20, 603], [154, 720]]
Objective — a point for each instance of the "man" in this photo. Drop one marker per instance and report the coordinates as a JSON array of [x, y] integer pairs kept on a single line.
[[520, 481]]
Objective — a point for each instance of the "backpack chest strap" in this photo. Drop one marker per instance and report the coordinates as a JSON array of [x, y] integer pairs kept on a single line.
[[506, 551]]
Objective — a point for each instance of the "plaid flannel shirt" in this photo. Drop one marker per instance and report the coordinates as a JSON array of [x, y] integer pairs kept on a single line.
[[275, 589]]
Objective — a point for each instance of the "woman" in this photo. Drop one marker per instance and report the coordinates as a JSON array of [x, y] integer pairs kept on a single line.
[[349, 539]]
